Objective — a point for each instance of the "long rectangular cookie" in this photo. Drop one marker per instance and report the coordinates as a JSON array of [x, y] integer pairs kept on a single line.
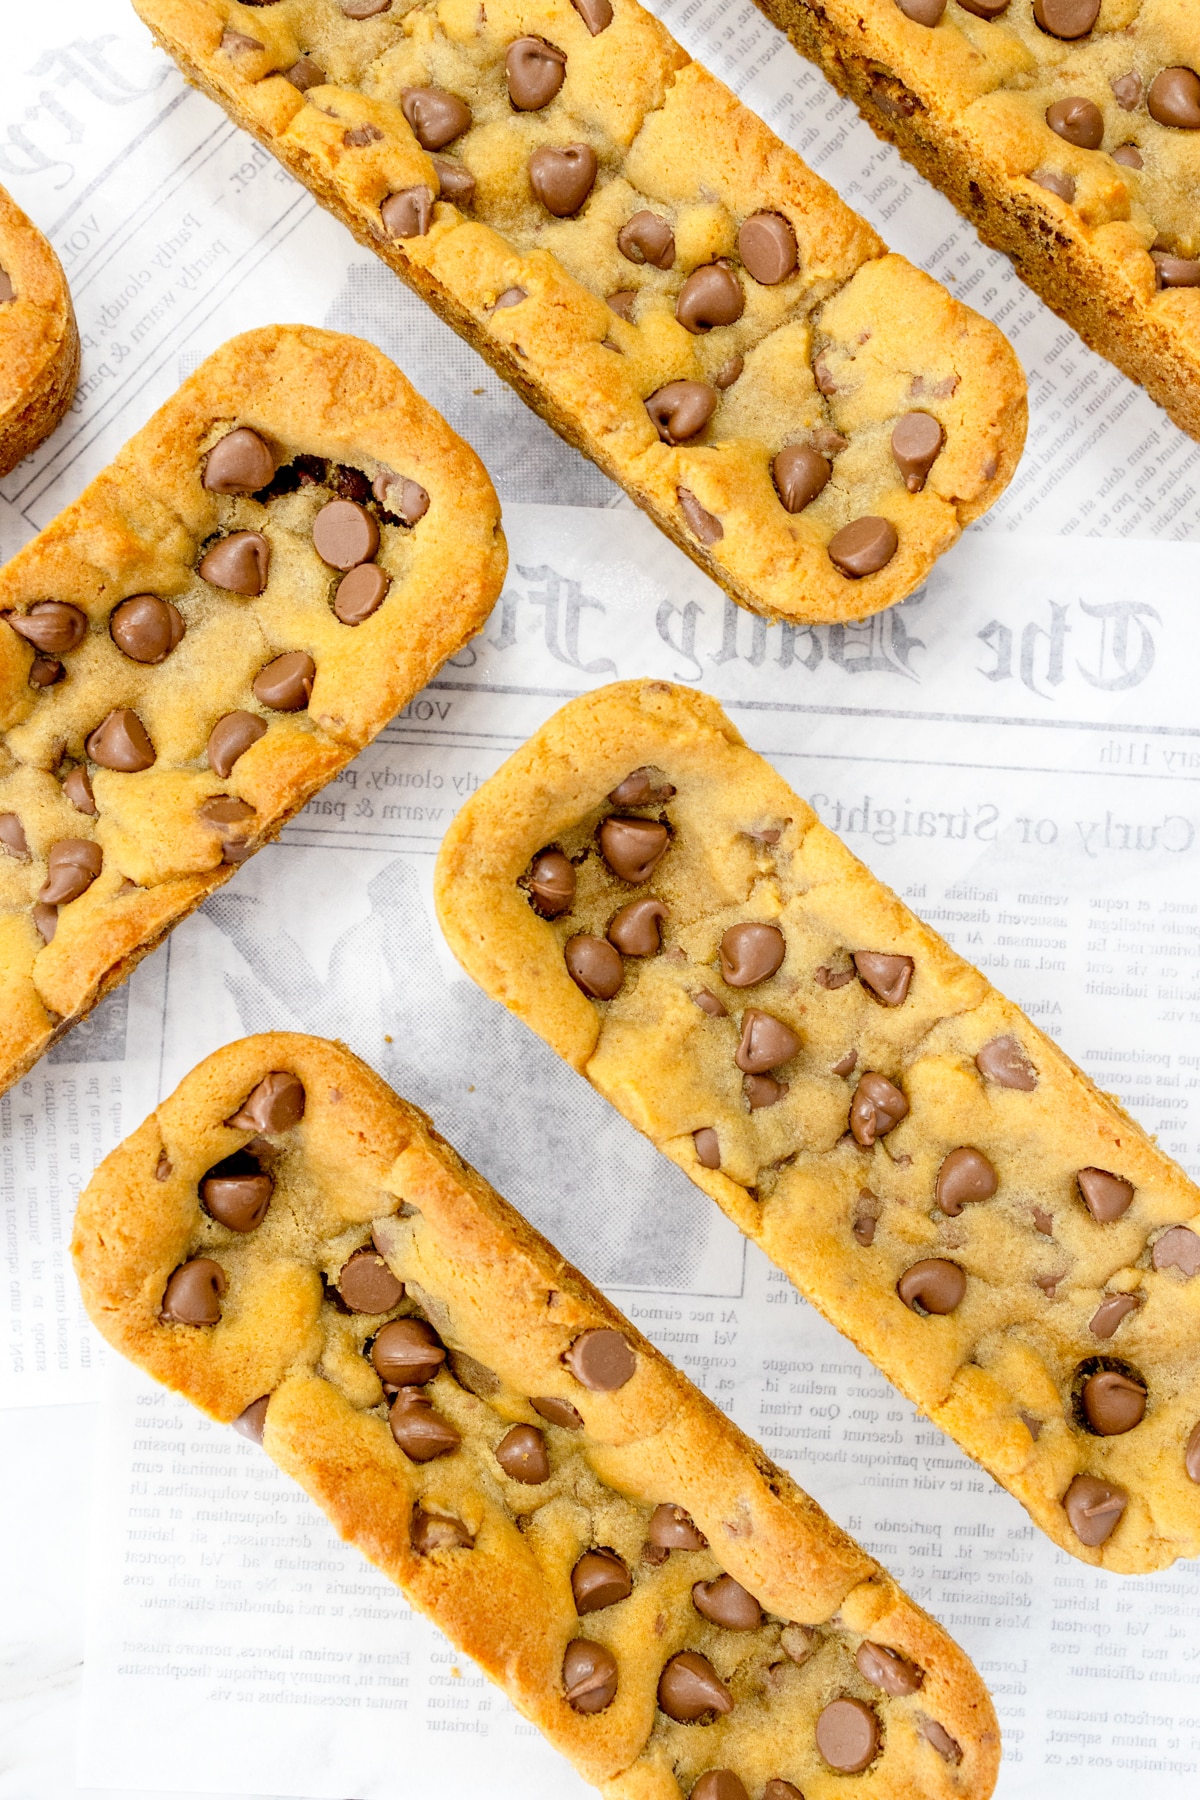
[[1066, 131], [278, 561], [293, 1247], [934, 1175], [811, 419], [39, 339]]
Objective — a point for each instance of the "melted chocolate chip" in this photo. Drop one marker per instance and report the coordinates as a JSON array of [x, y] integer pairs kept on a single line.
[[551, 881], [421, 1431], [597, 15], [240, 463], [239, 563], [589, 1676], [923, 12], [361, 593], [1110, 1312], [729, 372], [599, 1579], [863, 547], [916, 444], [704, 525], [1003, 1061], [601, 1359], [367, 1285], [887, 977], [534, 71], [671, 1528], [286, 683], [407, 1353], [12, 837], [251, 1421], [230, 738], [965, 1175], [1113, 1403], [1078, 121], [725, 1602], [766, 1042], [304, 74], [647, 238], [237, 1193], [194, 1292], [689, 1689], [409, 212], [711, 296], [1127, 90], [632, 847], [345, 534], [563, 176], [948, 1748], [594, 966], [877, 1106], [848, 1735], [275, 1104], [522, 1455], [455, 184], [763, 1090], [887, 1669], [642, 787], [1106, 1196], [557, 1412], [635, 929], [146, 628], [1094, 1509], [933, 1285], [681, 410], [1055, 183], [708, 1003], [767, 247], [720, 1784], [435, 116], [751, 953], [434, 1531], [1191, 1456], [1179, 1249], [1175, 271], [73, 865], [1174, 99], [800, 474], [1067, 19], [51, 626], [708, 1148], [121, 742]]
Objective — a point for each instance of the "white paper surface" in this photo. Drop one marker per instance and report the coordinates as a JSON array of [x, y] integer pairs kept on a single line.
[[1016, 750]]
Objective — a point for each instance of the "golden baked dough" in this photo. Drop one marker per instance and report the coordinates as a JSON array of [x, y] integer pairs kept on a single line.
[[39, 340], [156, 728], [857, 1098], [1101, 222], [535, 1435], [614, 139]]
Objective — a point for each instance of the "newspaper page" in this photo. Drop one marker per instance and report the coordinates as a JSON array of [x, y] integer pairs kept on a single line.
[[1013, 750]]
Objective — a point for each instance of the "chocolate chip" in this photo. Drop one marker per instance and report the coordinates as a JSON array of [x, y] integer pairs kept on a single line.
[[947, 1747], [1094, 1508], [230, 738], [44, 671], [594, 966], [304, 74], [887, 1669], [345, 534], [845, 1065], [367, 1285], [725, 1602], [712, 295], [1113, 1403], [286, 683], [965, 1175], [360, 593], [194, 1292], [1066, 19], [455, 181], [239, 463], [599, 1579], [589, 1676], [512, 296], [646, 238], [121, 742], [763, 1090], [522, 1455], [7, 290], [766, 1042], [887, 977], [708, 1148], [917, 440], [1043, 1221], [146, 628], [635, 929], [1003, 1061], [601, 1359], [681, 410], [557, 1412], [1179, 1249], [12, 837], [923, 12], [1032, 1425], [435, 116], [551, 881], [622, 305], [51, 626], [1191, 1455], [646, 786], [708, 1003], [866, 1217], [402, 496], [407, 1353], [1049, 1283], [275, 1104], [1111, 1310], [562, 177], [364, 9], [534, 71], [1055, 183], [799, 475], [934, 1285], [409, 212], [434, 1531], [73, 865], [751, 953], [251, 1421], [798, 1642], [876, 1107], [239, 563], [863, 547], [237, 1194], [704, 525], [729, 372], [236, 43], [632, 847], [823, 375], [671, 1528], [833, 978], [777, 1788], [597, 15], [1107, 1196], [1174, 99], [421, 1431], [848, 1735], [767, 247], [1077, 120], [689, 1689], [46, 919], [1127, 90], [1175, 271]]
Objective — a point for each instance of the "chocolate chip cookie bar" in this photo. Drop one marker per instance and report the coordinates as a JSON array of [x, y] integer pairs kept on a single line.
[[811, 419], [1067, 131], [935, 1176], [279, 560], [293, 1247], [39, 340]]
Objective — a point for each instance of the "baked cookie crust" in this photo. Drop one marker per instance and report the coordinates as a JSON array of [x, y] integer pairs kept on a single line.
[[1099, 215], [643, 260], [179, 669], [39, 340], [557, 1451], [935, 1176]]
